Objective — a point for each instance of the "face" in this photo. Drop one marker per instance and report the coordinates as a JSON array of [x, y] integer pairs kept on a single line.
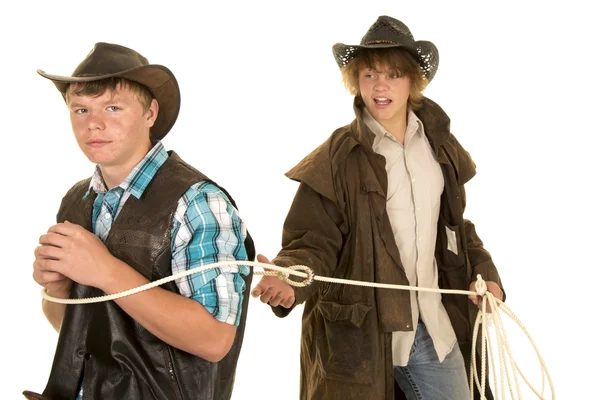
[[385, 94], [112, 129]]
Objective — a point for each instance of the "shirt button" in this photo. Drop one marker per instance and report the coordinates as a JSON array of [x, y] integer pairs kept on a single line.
[[80, 353], [107, 215], [413, 179], [408, 326]]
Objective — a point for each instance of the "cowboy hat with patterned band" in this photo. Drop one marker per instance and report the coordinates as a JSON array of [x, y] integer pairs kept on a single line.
[[389, 32], [108, 60]]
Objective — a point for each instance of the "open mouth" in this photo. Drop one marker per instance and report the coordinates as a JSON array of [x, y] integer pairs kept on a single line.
[[382, 101]]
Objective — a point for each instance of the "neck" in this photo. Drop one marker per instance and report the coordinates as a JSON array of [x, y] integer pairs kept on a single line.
[[113, 175], [396, 127]]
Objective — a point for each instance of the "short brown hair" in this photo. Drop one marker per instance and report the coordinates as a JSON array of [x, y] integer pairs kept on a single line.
[[97, 88], [395, 59]]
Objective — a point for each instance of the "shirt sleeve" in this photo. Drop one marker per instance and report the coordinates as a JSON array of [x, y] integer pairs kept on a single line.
[[208, 229]]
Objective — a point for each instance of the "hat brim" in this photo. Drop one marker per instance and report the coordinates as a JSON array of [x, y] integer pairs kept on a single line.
[[424, 52], [157, 78]]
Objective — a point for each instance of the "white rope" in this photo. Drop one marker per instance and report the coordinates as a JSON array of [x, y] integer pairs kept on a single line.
[[495, 305]]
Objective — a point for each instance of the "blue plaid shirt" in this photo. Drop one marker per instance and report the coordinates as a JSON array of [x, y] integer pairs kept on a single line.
[[206, 229]]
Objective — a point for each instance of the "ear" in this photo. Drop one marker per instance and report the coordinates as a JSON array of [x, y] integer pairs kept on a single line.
[[152, 113]]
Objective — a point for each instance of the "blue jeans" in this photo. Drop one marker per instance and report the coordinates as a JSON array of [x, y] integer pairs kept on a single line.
[[425, 378]]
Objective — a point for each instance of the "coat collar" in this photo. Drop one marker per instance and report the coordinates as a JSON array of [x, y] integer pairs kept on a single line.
[[435, 121]]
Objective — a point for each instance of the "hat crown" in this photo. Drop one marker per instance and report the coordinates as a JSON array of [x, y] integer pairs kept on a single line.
[[107, 58], [388, 30]]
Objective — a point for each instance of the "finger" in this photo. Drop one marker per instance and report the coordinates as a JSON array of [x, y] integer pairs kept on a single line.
[[257, 291], [263, 259], [275, 301], [267, 295], [66, 228], [477, 301], [287, 303], [260, 287], [474, 299], [47, 265], [48, 252], [43, 277], [53, 239]]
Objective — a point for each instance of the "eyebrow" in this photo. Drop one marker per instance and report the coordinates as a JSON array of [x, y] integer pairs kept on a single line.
[[112, 100], [76, 105]]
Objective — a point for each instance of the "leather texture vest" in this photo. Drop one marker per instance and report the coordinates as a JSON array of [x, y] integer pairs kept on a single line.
[[119, 358]]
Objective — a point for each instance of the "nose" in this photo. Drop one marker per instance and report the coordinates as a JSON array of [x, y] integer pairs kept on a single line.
[[95, 122], [381, 83]]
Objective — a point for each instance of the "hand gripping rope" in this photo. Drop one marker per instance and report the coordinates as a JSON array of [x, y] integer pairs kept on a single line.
[[507, 365]]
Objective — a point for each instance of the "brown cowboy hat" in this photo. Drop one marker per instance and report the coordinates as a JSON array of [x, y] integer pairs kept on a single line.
[[389, 32], [108, 60]]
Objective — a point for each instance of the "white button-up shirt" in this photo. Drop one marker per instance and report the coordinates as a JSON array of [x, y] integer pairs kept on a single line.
[[415, 185]]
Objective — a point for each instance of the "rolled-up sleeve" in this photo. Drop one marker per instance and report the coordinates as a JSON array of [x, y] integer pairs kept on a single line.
[[208, 229]]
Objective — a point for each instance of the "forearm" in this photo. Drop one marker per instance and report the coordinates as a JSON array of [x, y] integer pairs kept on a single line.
[[54, 312], [179, 321]]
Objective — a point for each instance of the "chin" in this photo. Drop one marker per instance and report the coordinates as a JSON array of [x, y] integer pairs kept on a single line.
[[98, 159]]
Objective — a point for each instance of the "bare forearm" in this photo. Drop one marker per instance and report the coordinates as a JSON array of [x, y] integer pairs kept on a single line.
[[181, 322], [54, 313]]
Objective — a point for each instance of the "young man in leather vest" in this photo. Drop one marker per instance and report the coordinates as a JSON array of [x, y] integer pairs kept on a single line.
[[143, 215], [382, 200]]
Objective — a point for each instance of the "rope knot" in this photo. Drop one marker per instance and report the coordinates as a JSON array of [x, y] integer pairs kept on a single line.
[[480, 286], [310, 276]]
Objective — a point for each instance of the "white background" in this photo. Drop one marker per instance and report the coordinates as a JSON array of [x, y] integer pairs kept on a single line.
[[260, 89]]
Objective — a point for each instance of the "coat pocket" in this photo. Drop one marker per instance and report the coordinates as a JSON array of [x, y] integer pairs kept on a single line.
[[347, 347]]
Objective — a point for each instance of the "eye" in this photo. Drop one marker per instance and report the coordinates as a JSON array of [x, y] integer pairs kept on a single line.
[[80, 110], [113, 108]]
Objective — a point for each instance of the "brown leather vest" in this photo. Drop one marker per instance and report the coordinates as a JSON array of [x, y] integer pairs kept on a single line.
[[120, 359]]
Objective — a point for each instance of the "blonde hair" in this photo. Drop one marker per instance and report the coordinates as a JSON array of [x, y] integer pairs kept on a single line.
[[393, 59], [97, 88]]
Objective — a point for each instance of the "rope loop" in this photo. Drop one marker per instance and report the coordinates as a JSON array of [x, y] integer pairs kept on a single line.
[[480, 286], [310, 276]]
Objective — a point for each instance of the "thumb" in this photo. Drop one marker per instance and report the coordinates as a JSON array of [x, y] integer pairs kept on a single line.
[[474, 299], [263, 259], [258, 290]]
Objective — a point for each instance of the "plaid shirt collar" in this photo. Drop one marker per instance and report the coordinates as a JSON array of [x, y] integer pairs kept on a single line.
[[139, 178]]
